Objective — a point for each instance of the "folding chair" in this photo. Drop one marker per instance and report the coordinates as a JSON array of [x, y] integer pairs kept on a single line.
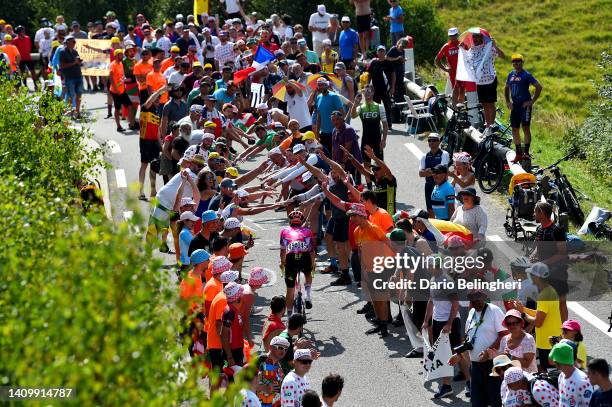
[[415, 114]]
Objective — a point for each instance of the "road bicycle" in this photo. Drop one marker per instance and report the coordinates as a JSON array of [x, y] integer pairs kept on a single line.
[[490, 157], [299, 305], [452, 140]]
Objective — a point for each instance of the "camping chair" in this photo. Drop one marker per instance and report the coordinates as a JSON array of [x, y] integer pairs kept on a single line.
[[414, 114]]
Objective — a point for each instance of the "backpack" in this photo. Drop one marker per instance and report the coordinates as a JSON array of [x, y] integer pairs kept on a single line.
[[524, 199], [551, 377]]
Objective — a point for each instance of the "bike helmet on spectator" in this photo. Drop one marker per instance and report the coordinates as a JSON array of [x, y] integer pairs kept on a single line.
[[296, 217]]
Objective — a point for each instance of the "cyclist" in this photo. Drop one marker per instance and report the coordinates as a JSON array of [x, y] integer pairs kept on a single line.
[[297, 255]]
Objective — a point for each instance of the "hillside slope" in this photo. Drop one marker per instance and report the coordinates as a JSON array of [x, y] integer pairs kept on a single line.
[[561, 40]]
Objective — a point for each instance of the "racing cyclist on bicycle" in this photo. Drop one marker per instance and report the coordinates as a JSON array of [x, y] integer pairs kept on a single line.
[[297, 255]]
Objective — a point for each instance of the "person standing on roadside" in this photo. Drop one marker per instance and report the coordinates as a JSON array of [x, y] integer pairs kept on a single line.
[[520, 103], [317, 25], [24, 45], [116, 87], [331, 389], [381, 77], [348, 44], [70, 64], [450, 52], [326, 102], [434, 156], [363, 21], [396, 20]]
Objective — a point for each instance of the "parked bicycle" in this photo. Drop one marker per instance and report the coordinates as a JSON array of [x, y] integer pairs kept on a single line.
[[452, 140], [560, 190], [490, 157]]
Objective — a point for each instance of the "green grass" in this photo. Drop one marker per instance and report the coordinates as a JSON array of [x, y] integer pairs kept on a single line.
[[562, 42]]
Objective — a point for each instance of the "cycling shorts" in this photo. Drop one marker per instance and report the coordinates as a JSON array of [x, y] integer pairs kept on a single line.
[[294, 264], [520, 115]]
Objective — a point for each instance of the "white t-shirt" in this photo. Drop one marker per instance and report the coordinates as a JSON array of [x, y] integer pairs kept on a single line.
[[214, 41], [167, 194], [576, 390], [442, 299], [297, 107], [176, 78], [487, 331], [40, 34], [514, 398], [319, 21], [249, 399], [165, 44], [169, 72], [293, 389], [231, 6]]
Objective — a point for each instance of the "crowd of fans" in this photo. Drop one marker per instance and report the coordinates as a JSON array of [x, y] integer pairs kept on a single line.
[[182, 86]]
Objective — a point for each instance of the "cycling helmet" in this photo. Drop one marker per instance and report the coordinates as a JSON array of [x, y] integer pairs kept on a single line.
[[520, 263], [296, 217]]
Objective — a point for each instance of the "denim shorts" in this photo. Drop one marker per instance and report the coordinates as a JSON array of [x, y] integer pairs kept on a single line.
[[74, 87]]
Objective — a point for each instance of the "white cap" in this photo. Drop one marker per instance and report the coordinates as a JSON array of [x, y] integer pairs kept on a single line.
[[301, 354], [275, 150], [208, 136], [453, 31], [326, 41], [298, 147], [279, 340], [262, 106], [321, 9], [231, 223], [189, 216], [345, 18], [187, 201], [242, 193], [306, 176], [178, 25]]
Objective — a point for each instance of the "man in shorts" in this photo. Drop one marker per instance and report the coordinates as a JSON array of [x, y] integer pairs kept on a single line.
[[521, 104], [116, 87], [70, 65], [24, 45], [450, 52], [364, 22]]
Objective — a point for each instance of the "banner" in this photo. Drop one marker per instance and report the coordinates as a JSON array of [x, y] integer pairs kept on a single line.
[[467, 70], [199, 7], [95, 55], [435, 359]]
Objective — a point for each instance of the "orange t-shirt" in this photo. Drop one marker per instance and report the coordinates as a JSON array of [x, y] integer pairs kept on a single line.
[[208, 273], [167, 63], [142, 68], [382, 219], [286, 143], [11, 52], [211, 289], [156, 80], [192, 289], [371, 240], [117, 77], [216, 314]]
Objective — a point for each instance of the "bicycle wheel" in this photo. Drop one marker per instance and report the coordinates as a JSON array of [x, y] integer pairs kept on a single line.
[[572, 205], [490, 171], [298, 304], [450, 143]]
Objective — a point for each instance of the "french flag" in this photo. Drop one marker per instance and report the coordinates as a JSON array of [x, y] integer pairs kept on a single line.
[[260, 60]]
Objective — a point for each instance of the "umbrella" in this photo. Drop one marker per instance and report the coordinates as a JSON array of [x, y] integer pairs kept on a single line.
[[279, 91], [466, 37], [312, 80]]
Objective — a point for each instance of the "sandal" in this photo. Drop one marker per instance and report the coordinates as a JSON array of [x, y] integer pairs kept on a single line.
[[142, 197]]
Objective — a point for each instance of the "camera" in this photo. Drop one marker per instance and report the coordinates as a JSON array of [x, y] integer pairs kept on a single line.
[[554, 340], [467, 345]]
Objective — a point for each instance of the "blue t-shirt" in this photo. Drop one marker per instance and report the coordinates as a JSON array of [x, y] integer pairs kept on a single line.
[[220, 84], [325, 105], [222, 97], [347, 41], [185, 238], [441, 197], [519, 85], [396, 12]]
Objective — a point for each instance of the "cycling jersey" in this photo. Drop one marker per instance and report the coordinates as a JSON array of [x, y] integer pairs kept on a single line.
[[296, 239], [371, 114]]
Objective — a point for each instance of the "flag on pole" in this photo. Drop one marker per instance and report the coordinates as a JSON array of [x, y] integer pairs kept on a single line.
[[199, 7], [260, 60]]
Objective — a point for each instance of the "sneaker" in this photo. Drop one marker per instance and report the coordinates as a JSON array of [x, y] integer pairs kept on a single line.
[[375, 329], [164, 248], [444, 391], [135, 126], [383, 333], [467, 389], [414, 353], [370, 315], [308, 304], [398, 321], [329, 269], [367, 307], [342, 280], [108, 116], [120, 129]]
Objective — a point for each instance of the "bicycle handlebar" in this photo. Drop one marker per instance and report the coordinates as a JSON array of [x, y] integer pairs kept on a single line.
[[555, 164]]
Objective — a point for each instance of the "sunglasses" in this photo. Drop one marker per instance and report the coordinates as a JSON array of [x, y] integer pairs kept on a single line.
[[278, 347], [513, 323], [305, 362]]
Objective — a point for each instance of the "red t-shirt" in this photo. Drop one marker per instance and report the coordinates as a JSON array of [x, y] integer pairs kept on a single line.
[[24, 45], [233, 320], [450, 51], [273, 323]]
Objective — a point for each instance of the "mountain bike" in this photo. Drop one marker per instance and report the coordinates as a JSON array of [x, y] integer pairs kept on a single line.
[[489, 161], [560, 190], [452, 140]]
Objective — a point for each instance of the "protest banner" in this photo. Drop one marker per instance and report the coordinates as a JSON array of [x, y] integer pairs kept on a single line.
[[95, 55], [435, 358]]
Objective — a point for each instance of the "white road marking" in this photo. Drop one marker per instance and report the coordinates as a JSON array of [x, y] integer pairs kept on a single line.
[[114, 146], [127, 215], [121, 180], [589, 317], [508, 251], [415, 150]]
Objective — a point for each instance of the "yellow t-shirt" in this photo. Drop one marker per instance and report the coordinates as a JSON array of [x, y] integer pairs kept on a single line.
[[582, 354], [328, 61], [548, 302]]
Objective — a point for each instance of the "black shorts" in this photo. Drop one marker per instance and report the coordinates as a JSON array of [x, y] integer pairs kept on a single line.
[[348, 63], [375, 282], [234, 15], [44, 61], [26, 64], [559, 284], [454, 335], [143, 95], [375, 144], [520, 115], [306, 128], [363, 23], [218, 357], [487, 93], [121, 100], [296, 263], [428, 190], [338, 228], [149, 150]]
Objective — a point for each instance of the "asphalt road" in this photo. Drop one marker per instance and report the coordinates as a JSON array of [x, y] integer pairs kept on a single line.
[[375, 371]]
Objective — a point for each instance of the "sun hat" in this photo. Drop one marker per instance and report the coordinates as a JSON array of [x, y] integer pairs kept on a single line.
[[562, 353], [513, 375], [512, 313], [258, 277], [503, 360], [571, 325], [302, 354], [279, 341], [229, 276], [221, 264], [199, 256], [453, 31], [233, 291], [357, 209]]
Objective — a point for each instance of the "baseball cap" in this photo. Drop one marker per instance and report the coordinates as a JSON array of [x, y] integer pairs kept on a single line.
[[209, 216], [208, 123], [322, 81], [562, 353], [440, 169], [115, 40], [199, 256], [174, 48], [187, 201], [433, 136], [309, 135], [539, 270], [419, 213], [273, 151], [242, 193], [233, 291], [261, 106], [357, 209], [298, 147], [279, 341], [301, 41], [571, 325], [188, 215], [207, 66], [231, 171], [453, 31], [326, 41], [220, 264], [340, 65], [397, 235], [517, 57], [68, 38], [381, 48], [211, 98], [118, 51], [237, 251], [75, 24], [345, 19], [196, 108], [302, 354], [229, 276], [231, 223], [226, 182]]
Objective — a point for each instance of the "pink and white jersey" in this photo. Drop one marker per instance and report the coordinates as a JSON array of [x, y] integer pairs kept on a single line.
[[296, 240]]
